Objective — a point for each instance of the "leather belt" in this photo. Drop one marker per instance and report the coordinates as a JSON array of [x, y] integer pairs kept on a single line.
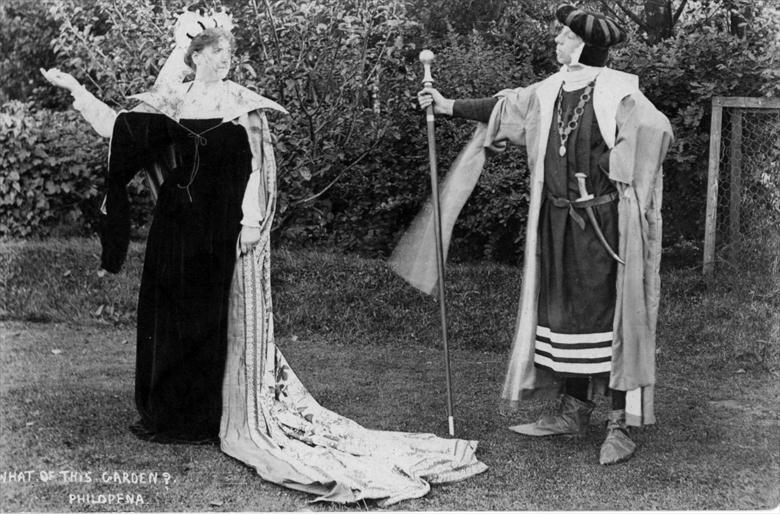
[[581, 204]]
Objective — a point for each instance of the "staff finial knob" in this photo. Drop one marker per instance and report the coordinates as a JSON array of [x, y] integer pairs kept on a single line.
[[426, 58]]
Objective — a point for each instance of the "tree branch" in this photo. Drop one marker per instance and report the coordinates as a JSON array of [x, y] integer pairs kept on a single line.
[[279, 82], [636, 19], [610, 9], [341, 173], [679, 11]]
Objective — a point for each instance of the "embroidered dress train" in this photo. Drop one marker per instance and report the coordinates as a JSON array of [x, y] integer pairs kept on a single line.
[[271, 422]]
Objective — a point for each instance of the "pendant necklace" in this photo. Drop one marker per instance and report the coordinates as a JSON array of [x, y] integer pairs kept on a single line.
[[565, 129]]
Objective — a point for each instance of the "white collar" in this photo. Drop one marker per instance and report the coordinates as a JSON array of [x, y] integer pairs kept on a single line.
[[579, 77], [234, 100]]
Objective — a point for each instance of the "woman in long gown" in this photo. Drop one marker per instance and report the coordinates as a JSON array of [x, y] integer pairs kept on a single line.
[[206, 358]]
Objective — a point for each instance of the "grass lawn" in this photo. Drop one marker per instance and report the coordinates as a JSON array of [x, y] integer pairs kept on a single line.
[[366, 346]]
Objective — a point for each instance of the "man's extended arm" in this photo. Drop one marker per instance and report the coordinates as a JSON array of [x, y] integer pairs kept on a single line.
[[477, 109]]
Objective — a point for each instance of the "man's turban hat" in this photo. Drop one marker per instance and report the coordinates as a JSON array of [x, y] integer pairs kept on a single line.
[[597, 31]]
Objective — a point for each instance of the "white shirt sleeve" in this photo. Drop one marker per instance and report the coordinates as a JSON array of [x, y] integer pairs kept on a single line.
[[253, 205], [97, 114]]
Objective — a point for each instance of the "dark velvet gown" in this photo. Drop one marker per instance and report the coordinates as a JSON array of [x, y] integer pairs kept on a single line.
[[190, 256], [577, 275]]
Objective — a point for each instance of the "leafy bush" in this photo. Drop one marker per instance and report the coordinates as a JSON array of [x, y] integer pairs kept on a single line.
[[27, 29], [372, 208], [352, 155], [681, 75], [115, 48], [326, 62], [50, 183]]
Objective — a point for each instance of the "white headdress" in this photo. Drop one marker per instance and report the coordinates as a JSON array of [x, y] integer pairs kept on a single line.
[[188, 25]]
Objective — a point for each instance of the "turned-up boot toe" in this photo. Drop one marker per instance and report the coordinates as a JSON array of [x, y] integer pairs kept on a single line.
[[571, 418], [618, 446]]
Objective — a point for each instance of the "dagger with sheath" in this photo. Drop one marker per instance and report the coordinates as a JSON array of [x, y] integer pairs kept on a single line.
[[584, 197]]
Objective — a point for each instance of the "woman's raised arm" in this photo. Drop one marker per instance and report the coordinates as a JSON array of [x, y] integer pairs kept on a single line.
[[97, 113]]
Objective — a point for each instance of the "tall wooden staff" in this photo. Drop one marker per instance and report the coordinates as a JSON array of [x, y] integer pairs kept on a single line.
[[426, 58]]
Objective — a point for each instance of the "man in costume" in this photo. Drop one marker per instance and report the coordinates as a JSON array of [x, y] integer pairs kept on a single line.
[[589, 300]]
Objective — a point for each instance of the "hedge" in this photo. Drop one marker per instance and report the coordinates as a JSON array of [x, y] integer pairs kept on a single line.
[[353, 156]]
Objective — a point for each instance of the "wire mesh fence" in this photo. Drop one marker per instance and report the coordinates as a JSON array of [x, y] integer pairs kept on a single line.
[[743, 198]]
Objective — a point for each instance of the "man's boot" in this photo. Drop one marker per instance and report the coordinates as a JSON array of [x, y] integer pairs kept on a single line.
[[571, 418], [618, 446]]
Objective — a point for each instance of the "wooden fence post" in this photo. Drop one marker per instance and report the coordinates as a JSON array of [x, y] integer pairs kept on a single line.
[[712, 185], [735, 201]]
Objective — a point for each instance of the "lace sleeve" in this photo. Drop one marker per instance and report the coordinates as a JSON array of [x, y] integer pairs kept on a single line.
[[97, 114]]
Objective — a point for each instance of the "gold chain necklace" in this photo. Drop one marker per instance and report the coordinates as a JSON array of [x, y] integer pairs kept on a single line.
[[564, 129]]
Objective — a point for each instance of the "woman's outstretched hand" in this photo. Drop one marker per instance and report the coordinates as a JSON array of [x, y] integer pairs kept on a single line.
[[61, 79]]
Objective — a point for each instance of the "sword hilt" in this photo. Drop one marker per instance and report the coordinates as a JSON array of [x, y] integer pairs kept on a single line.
[[584, 195]]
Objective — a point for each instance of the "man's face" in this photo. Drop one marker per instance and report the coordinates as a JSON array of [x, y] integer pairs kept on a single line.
[[566, 42]]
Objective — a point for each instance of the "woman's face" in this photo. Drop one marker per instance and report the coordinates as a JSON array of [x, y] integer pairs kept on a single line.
[[566, 42], [213, 62]]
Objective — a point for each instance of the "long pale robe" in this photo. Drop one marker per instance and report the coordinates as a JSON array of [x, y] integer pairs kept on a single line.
[[638, 136]]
